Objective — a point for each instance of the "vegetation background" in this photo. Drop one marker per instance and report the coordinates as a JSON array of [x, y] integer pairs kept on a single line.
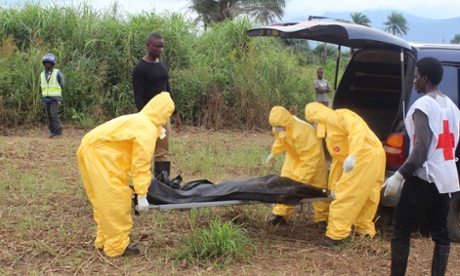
[[220, 77]]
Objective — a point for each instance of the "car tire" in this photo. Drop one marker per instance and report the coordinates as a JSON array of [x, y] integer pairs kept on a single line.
[[453, 218]]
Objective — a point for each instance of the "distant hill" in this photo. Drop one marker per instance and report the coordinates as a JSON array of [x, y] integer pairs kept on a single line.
[[420, 29]]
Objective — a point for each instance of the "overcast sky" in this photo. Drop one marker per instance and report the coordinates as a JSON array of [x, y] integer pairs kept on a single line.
[[435, 9]]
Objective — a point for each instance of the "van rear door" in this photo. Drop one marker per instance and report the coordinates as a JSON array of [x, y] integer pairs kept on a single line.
[[373, 85], [335, 32]]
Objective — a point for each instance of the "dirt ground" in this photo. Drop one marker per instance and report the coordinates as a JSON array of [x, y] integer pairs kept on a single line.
[[51, 232]]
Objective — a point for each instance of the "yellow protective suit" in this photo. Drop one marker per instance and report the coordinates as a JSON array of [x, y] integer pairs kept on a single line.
[[108, 156], [357, 193], [304, 161]]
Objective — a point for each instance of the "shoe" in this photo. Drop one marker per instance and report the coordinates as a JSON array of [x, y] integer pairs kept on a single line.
[[277, 220], [328, 242], [321, 225], [57, 136], [131, 251]]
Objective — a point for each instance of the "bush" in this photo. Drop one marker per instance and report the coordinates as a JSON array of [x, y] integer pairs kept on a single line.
[[219, 245]]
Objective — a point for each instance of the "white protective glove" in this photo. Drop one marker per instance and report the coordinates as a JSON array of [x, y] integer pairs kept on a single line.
[[393, 184], [270, 161], [332, 194], [142, 204], [349, 163], [163, 133]]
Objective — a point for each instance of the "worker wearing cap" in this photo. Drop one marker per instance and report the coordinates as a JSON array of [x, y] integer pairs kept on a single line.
[[52, 83]]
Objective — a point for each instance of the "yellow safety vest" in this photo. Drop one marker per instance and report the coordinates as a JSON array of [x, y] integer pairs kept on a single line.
[[51, 88]]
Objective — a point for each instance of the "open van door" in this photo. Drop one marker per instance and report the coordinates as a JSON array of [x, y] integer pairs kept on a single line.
[[340, 33]]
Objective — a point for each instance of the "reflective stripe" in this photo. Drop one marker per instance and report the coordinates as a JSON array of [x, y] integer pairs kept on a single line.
[[51, 88]]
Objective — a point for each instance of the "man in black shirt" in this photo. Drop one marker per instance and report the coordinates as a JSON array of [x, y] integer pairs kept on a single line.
[[151, 77]]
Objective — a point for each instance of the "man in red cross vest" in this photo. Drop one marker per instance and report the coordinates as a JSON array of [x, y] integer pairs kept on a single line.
[[429, 174]]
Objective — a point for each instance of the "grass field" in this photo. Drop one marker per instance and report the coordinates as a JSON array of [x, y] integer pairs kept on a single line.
[[46, 224]]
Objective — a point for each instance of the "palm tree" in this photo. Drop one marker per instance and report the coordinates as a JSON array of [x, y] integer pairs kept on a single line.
[[396, 24], [359, 18], [456, 39], [264, 11]]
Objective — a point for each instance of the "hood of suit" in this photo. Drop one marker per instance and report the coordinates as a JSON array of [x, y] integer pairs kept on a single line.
[[323, 116], [159, 109], [280, 116]]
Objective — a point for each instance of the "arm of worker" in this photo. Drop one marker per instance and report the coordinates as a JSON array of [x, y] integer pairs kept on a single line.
[[142, 152], [277, 148], [138, 87], [320, 89], [356, 133], [419, 153], [177, 119], [328, 87], [417, 156], [317, 87], [311, 156], [61, 79]]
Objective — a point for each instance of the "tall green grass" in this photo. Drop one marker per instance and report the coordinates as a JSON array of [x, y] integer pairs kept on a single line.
[[219, 77]]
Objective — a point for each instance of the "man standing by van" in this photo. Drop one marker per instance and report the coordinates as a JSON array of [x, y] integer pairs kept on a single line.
[[322, 88], [429, 174]]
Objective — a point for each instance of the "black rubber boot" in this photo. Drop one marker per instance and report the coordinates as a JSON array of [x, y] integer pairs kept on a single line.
[[159, 167], [328, 242], [440, 258], [277, 220], [58, 132], [131, 251], [399, 256]]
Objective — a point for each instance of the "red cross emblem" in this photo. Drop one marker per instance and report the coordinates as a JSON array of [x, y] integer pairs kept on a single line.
[[446, 141]]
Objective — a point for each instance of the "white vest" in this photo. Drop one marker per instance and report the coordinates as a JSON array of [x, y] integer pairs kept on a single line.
[[443, 118]]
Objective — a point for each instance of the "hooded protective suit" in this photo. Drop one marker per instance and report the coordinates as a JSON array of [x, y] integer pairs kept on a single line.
[[108, 156], [357, 192], [304, 161]]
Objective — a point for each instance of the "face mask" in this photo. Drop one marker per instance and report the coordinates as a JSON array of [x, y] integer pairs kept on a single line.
[[281, 131]]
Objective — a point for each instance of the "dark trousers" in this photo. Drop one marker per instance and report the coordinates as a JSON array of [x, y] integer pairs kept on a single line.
[[54, 122], [419, 197]]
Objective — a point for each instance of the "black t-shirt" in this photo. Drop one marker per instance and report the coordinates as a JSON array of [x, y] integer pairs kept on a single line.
[[149, 79]]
